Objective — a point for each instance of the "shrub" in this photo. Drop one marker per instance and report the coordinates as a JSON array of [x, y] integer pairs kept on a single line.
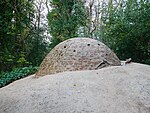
[[8, 77]]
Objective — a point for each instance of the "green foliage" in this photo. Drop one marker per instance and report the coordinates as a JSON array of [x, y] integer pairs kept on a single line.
[[126, 29], [38, 47], [7, 78], [15, 23], [65, 18], [22, 43]]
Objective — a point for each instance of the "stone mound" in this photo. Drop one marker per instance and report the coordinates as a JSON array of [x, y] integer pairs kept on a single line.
[[78, 54], [116, 89]]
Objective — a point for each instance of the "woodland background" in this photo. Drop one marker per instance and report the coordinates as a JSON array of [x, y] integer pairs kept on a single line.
[[26, 38]]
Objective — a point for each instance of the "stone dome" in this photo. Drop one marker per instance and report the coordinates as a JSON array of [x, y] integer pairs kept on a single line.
[[78, 54]]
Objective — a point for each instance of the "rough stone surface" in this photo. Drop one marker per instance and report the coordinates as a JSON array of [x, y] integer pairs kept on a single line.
[[116, 89], [78, 54]]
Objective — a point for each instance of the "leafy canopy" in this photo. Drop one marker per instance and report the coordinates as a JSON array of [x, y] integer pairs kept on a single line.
[[65, 18]]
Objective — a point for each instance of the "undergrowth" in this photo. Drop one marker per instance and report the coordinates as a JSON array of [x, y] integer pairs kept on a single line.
[[8, 77]]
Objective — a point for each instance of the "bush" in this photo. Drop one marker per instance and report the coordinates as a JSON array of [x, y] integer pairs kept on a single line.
[[8, 77]]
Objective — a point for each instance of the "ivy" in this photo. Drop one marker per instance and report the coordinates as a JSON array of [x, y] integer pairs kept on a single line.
[[8, 77]]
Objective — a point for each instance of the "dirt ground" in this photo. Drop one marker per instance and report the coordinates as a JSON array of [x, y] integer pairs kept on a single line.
[[118, 89]]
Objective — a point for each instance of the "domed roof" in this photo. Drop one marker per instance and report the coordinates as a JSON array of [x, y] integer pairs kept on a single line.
[[78, 54]]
